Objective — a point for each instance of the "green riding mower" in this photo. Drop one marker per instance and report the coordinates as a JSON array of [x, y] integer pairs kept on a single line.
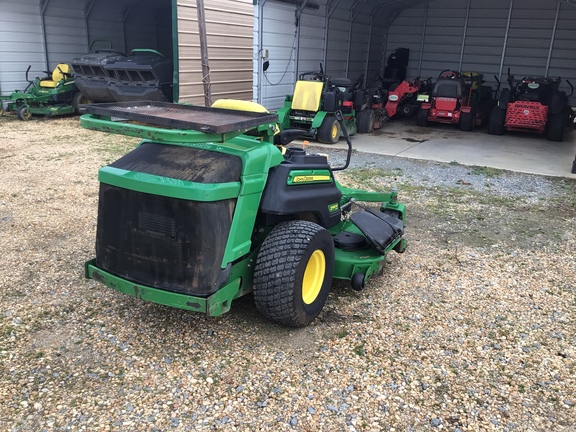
[[315, 101], [213, 205], [55, 94]]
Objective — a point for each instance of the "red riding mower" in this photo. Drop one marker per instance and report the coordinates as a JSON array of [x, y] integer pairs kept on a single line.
[[533, 104], [457, 99], [399, 98], [403, 99]]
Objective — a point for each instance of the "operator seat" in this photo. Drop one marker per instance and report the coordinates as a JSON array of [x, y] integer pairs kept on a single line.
[[448, 88], [61, 72]]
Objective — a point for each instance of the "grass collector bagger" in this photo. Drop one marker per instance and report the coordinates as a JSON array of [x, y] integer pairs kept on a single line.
[[211, 205]]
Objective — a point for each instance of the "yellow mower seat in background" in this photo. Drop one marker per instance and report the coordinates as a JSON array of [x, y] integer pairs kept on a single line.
[[242, 105], [57, 75], [239, 105], [307, 95]]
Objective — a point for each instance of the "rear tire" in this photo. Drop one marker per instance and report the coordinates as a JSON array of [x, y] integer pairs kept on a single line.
[[365, 121], [24, 113], [496, 121], [293, 273], [556, 127], [467, 121], [329, 130], [422, 119], [77, 100]]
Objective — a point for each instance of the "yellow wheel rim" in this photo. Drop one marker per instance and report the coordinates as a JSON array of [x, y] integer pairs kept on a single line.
[[313, 276], [335, 131]]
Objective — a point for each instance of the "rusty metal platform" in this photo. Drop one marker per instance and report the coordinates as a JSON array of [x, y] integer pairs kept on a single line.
[[178, 116]]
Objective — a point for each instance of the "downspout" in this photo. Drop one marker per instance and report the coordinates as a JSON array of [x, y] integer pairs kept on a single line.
[[175, 53], [260, 48], [464, 36], [43, 6], [374, 18], [552, 39], [297, 53], [125, 16], [329, 12], [505, 39], [353, 17], [88, 6], [422, 41]]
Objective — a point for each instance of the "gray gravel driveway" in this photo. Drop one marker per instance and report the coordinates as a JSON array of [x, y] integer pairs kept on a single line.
[[473, 328]]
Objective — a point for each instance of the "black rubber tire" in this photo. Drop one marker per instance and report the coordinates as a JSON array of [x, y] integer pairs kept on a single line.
[[556, 126], [496, 121], [467, 121], [24, 113], [77, 100], [365, 121], [422, 119], [327, 132], [279, 275], [504, 99], [358, 281], [409, 109]]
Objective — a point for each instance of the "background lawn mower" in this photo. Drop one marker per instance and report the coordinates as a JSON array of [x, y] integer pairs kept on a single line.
[[533, 104], [211, 206], [404, 98], [54, 94], [457, 99], [315, 101], [400, 98]]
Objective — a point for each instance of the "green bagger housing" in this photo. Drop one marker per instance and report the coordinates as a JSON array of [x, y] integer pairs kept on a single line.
[[212, 205]]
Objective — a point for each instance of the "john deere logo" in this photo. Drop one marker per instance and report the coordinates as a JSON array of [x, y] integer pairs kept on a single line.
[[311, 178], [333, 207]]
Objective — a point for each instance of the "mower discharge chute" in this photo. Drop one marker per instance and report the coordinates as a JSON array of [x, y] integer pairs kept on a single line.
[[315, 101], [534, 104], [54, 94], [207, 208], [457, 98]]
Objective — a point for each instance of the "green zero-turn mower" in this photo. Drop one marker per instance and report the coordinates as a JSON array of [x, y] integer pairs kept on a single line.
[[212, 205], [315, 101], [54, 94]]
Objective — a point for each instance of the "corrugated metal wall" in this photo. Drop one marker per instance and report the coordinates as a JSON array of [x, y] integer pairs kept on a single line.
[[65, 31], [69, 27], [229, 28], [521, 35], [343, 47], [20, 43], [278, 38]]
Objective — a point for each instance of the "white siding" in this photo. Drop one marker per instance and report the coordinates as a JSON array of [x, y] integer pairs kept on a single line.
[[20, 44], [279, 38], [346, 53], [65, 31]]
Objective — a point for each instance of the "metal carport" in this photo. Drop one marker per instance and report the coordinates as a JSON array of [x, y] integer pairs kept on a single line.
[[531, 37]]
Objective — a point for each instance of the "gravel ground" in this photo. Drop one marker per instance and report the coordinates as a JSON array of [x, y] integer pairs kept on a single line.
[[473, 328]]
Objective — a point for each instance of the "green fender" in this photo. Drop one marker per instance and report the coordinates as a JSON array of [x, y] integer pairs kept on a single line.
[[318, 119]]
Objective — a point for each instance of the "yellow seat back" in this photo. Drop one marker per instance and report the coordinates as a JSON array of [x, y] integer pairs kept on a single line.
[[307, 95], [57, 75]]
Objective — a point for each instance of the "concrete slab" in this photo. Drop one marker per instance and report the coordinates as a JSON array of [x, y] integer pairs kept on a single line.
[[522, 152]]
